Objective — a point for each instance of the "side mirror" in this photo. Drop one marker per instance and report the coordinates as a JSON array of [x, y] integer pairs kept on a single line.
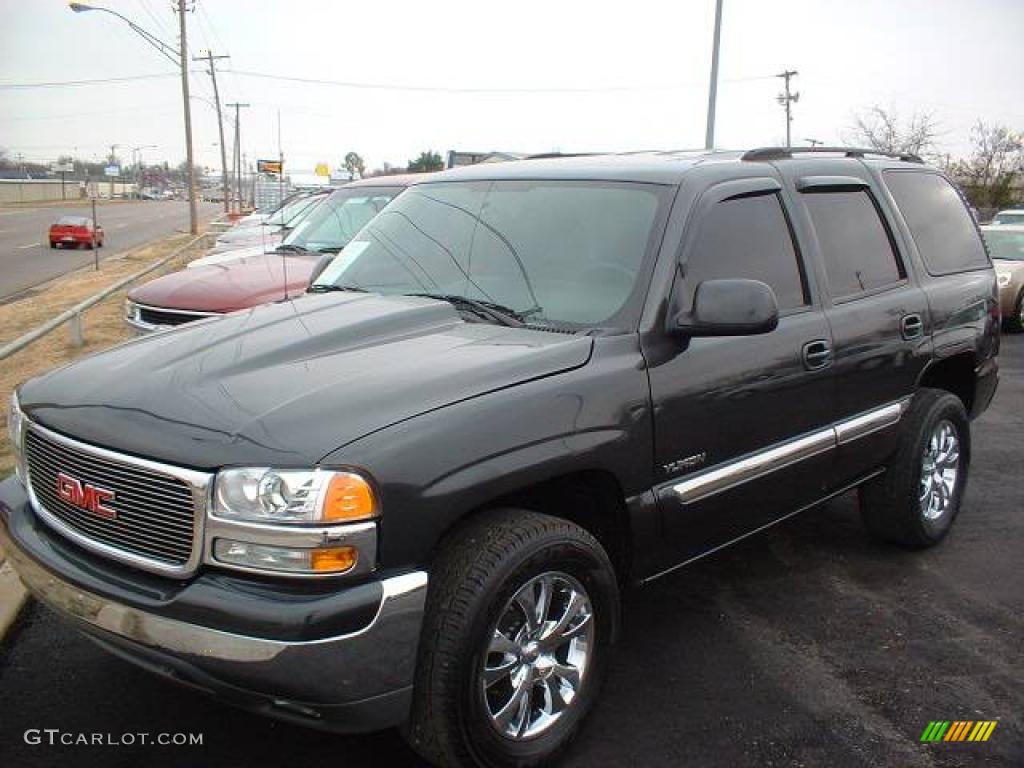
[[321, 265], [729, 308]]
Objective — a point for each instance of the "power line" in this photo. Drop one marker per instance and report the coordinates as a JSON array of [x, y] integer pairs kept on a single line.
[[95, 81]]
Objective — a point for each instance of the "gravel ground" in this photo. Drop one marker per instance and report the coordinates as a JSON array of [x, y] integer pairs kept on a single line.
[[808, 645]]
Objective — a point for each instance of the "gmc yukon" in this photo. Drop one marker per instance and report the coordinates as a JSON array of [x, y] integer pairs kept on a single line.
[[412, 496]]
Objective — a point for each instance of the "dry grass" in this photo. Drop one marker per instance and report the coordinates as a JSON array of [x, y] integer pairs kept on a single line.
[[102, 326]]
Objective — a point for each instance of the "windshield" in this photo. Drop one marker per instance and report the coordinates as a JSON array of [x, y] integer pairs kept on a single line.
[[554, 252], [1005, 244], [342, 215], [1009, 217], [286, 215]]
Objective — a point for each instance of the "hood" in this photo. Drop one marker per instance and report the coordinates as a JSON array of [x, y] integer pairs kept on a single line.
[[234, 254], [289, 383], [227, 287], [268, 237]]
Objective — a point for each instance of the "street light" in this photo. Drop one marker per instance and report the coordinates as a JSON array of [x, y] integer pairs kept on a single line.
[[180, 58], [137, 163]]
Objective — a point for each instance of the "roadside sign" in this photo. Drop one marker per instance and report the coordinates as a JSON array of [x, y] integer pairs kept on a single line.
[[62, 168], [112, 170], [269, 166], [322, 169]]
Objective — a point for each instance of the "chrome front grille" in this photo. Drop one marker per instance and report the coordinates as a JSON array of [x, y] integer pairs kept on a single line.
[[149, 515]]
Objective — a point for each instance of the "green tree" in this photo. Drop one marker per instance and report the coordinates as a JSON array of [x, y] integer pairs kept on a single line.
[[355, 165], [426, 162]]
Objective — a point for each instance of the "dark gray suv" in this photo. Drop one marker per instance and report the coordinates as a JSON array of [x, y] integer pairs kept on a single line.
[[412, 495]]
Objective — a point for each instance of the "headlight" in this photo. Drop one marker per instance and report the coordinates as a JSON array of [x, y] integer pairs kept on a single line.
[[131, 310], [15, 433], [266, 495], [1003, 278]]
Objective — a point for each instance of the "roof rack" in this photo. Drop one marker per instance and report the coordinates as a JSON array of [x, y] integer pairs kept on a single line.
[[552, 155], [781, 153]]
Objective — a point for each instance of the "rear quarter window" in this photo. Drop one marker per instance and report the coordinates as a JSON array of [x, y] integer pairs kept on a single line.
[[941, 225]]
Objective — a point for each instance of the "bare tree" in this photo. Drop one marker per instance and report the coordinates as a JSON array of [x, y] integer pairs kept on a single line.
[[885, 130], [996, 162]]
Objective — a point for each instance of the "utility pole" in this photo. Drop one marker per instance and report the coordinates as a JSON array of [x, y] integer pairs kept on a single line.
[[209, 57], [787, 99], [193, 212], [113, 159], [709, 136], [236, 159]]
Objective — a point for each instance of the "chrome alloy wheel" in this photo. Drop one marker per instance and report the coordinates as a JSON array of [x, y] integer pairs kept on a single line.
[[538, 655], [940, 471]]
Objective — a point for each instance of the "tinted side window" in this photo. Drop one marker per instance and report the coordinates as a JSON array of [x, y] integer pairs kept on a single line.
[[939, 221], [855, 245], [748, 237]]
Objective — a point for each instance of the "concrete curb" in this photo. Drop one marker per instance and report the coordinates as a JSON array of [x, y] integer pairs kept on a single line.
[[12, 596]]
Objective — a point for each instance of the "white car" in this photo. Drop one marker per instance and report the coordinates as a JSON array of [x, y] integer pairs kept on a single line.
[[1009, 216], [326, 227], [269, 232]]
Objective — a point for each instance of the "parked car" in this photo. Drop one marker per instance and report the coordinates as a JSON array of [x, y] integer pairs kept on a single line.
[[272, 230], [1009, 216], [413, 494], [75, 232], [239, 279], [1006, 246]]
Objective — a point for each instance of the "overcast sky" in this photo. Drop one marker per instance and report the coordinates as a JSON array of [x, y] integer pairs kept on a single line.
[[522, 76]]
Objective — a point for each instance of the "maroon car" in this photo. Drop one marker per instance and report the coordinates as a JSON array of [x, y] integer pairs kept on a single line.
[[283, 273], [75, 231]]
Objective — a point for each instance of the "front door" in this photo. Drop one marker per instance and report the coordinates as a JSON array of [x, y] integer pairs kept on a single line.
[[742, 424]]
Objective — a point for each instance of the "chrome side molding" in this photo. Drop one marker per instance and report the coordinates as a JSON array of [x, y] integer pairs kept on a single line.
[[764, 462]]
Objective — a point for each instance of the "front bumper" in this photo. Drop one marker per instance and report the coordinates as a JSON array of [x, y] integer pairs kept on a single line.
[[357, 680]]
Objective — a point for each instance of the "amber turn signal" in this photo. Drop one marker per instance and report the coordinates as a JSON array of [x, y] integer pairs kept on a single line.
[[349, 497], [333, 559]]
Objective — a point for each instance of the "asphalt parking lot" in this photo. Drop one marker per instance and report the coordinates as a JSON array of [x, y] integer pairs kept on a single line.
[[809, 645]]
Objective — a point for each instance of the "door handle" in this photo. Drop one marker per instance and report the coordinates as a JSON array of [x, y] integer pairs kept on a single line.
[[817, 354], [911, 327]]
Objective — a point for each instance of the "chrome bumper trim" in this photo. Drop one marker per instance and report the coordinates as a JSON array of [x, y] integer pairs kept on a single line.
[[375, 660]]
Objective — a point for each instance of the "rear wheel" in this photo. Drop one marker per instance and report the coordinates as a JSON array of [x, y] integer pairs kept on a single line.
[[520, 616], [1016, 321], [53, 244], [916, 501]]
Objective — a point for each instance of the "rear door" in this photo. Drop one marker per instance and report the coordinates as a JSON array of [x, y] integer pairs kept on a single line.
[[878, 314], [742, 425]]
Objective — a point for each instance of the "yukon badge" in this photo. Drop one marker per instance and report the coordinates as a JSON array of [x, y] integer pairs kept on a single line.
[[85, 496], [682, 465]]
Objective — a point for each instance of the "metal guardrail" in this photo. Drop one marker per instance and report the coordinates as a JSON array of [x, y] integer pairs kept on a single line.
[[74, 314]]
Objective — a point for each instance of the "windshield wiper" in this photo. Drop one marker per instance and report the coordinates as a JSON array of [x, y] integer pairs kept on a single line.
[[501, 313], [329, 287], [289, 248]]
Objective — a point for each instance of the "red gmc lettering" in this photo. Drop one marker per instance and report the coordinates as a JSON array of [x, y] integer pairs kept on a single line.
[[85, 496]]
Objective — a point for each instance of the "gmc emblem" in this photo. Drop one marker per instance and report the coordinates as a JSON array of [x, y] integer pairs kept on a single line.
[[85, 496]]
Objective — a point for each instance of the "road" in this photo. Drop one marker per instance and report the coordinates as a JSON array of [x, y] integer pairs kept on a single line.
[[806, 646], [26, 259]]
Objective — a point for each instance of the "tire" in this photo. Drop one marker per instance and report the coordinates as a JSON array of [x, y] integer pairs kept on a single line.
[[479, 582], [53, 245], [1016, 321], [897, 507]]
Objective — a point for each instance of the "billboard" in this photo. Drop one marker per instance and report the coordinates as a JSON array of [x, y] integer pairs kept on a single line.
[[269, 166]]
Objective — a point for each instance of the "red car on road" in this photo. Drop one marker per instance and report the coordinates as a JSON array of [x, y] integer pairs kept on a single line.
[[282, 273], [75, 231]]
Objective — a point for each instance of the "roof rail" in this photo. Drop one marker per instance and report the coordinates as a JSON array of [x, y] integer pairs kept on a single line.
[[781, 153], [552, 155]]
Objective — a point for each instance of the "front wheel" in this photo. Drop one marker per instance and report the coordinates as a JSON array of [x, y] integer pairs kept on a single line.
[[520, 615], [916, 501]]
